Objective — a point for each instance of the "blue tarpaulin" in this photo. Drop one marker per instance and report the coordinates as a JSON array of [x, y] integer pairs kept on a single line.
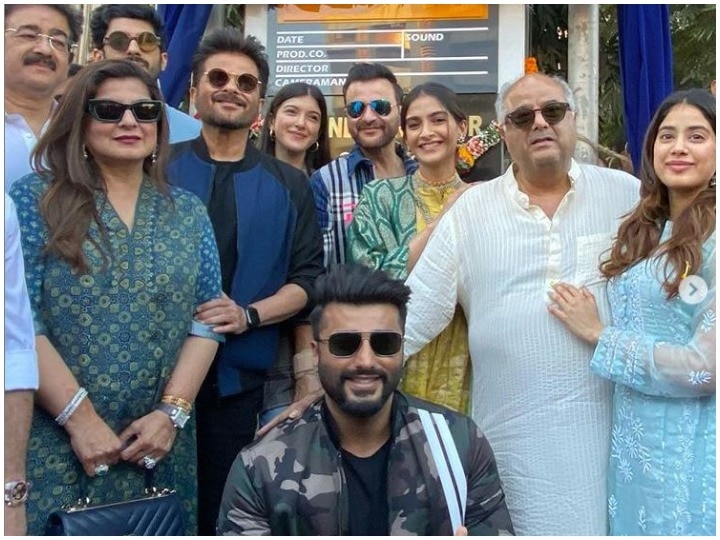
[[184, 26], [646, 67]]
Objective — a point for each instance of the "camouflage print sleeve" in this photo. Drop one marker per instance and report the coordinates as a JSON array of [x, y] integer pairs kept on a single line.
[[242, 510], [486, 513]]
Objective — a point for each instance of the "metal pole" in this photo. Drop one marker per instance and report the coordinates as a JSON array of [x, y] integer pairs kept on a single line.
[[583, 73]]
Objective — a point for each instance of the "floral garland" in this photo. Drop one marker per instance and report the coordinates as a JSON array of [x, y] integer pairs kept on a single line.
[[256, 128], [472, 149]]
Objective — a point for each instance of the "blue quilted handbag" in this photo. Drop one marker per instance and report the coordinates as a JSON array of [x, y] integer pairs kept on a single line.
[[158, 513]]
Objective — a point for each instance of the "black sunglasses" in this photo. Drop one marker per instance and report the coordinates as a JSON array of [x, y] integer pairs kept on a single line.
[[120, 41], [107, 110], [245, 82], [348, 343], [381, 106], [524, 117]]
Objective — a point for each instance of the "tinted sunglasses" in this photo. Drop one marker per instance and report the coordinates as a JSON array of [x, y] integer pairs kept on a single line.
[[106, 110], [348, 343], [381, 106], [120, 41], [245, 82], [524, 117]]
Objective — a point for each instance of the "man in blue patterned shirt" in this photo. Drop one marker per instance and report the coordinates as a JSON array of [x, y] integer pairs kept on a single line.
[[372, 104]]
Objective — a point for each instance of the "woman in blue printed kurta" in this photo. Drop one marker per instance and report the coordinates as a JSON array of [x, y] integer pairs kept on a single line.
[[113, 290], [660, 347]]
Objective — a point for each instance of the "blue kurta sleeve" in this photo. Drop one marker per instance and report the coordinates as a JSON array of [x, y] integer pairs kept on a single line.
[[209, 283], [659, 367]]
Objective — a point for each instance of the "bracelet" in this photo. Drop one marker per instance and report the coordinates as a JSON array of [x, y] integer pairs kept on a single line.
[[176, 401], [71, 407]]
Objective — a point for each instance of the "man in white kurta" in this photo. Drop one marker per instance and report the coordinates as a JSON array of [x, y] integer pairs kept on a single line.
[[495, 252]]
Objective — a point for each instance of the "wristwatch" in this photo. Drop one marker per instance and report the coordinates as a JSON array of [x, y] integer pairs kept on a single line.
[[16, 492], [178, 416], [252, 316]]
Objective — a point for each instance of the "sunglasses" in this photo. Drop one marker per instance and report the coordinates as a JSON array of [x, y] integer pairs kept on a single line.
[[346, 344], [524, 117], [106, 110], [245, 82], [381, 106], [120, 41]]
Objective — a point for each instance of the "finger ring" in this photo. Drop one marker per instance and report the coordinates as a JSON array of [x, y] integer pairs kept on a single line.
[[100, 470], [149, 462]]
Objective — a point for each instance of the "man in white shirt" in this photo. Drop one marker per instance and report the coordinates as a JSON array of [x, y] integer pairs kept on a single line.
[[134, 32], [496, 252], [38, 49], [21, 375]]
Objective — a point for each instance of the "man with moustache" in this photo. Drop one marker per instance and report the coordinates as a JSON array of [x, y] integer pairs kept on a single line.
[[39, 42], [359, 462], [372, 106], [269, 242], [135, 32]]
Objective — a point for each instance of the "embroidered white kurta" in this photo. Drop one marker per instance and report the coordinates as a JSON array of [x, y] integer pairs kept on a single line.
[[547, 417]]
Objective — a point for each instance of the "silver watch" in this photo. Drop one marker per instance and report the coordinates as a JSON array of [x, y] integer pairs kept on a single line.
[[16, 492], [178, 416]]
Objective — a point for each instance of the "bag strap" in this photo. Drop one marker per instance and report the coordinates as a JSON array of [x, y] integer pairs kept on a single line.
[[83, 484], [448, 464]]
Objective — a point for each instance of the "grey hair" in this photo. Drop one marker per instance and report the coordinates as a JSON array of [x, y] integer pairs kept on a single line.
[[500, 111]]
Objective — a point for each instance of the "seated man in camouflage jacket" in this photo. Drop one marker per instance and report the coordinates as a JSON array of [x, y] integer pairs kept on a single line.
[[359, 461]]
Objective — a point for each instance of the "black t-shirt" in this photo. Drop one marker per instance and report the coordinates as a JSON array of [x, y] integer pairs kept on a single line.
[[366, 480]]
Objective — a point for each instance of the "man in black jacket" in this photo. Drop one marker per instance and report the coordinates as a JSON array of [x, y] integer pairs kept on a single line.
[[269, 242]]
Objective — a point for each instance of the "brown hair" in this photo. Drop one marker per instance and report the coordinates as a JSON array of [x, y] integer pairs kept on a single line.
[[68, 205], [639, 235]]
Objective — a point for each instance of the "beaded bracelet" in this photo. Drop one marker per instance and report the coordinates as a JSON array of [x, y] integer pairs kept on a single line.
[[71, 407]]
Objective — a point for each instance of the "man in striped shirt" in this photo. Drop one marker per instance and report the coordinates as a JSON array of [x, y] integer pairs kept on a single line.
[[372, 104]]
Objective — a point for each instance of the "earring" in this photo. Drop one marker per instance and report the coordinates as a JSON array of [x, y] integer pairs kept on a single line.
[[271, 134], [712, 181], [461, 139], [85, 152], [315, 147], [153, 156]]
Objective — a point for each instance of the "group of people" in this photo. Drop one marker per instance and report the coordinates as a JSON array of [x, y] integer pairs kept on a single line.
[[540, 353]]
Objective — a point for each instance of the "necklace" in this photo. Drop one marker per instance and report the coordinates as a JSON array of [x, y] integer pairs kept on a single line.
[[441, 190]]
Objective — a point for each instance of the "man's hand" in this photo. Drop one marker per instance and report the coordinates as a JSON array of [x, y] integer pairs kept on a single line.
[[223, 314], [294, 411], [462, 531]]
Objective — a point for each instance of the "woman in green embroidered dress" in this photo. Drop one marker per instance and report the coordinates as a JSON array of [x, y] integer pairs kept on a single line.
[[116, 263], [395, 218]]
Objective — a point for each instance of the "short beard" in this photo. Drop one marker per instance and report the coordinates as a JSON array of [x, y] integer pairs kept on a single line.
[[229, 124], [358, 409]]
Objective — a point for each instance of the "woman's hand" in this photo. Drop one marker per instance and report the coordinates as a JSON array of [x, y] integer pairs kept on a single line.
[[151, 435], [93, 442], [576, 309]]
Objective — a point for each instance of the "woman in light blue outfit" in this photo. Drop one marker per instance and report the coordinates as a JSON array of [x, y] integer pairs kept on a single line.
[[660, 347]]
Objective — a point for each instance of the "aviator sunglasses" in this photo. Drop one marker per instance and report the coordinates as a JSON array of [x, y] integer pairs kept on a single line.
[[346, 344], [381, 106], [107, 110], [219, 78], [524, 117], [120, 41]]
